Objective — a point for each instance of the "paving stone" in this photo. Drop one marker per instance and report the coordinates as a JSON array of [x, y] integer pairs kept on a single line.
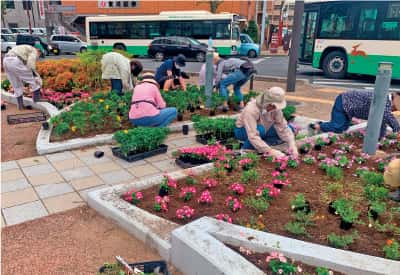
[[38, 170], [84, 152], [143, 170], [18, 197], [8, 165], [68, 164], [77, 173], [54, 189], [87, 182], [184, 142], [157, 158], [24, 212], [166, 165], [63, 202], [11, 175], [91, 159], [104, 167], [14, 185], [54, 177], [116, 177], [84, 193], [60, 156], [32, 161], [125, 164]]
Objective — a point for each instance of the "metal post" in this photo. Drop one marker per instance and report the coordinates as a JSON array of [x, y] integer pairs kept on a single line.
[[264, 13], [256, 17], [251, 82], [209, 73], [294, 49], [377, 108]]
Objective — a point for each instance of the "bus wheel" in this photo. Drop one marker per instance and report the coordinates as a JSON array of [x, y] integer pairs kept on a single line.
[[334, 64], [252, 54], [159, 56], [200, 57], [119, 47]]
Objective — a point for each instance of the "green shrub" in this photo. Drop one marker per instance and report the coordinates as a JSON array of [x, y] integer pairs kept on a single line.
[[334, 172], [252, 31], [219, 128], [299, 201], [296, 228], [375, 193], [249, 176], [6, 84], [140, 139], [392, 250], [372, 178], [344, 241], [345, 209], [259, 205]]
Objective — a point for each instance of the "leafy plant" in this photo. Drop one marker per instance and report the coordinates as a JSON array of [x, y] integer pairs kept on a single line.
[[219, 128], [252, 31], [345, 209], [392, 250], [140, 139], [259, 205], [334, 187], [335, 173], [288, 111], [296, 228], [375, 193], [6, 84], [343, 241], [372, 178], [216, 100], [378, 207], [298, 202], [279, 267], [249, 176], [251, 94], [322, 271]]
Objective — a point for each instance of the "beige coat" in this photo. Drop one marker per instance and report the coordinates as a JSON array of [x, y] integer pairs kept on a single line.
[[27, 54], [116, 66], [252, 115]]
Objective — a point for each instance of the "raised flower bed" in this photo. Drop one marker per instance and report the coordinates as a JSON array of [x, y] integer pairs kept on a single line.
[[249, 195]]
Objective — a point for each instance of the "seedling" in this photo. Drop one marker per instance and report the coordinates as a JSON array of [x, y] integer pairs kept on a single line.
[[343, 241]]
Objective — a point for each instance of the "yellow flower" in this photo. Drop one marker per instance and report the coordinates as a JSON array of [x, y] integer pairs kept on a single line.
[[118, 118], [107, 107], [101, 100], [73, 128], [125, 131]]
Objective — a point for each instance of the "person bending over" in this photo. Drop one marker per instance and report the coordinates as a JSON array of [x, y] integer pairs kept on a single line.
[[169, 75]]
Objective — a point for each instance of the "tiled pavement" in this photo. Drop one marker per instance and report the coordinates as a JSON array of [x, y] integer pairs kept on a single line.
[[36, 187]]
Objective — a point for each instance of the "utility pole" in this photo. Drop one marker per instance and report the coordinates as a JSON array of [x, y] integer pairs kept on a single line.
[[294, 49], [46, 19], [209, 73], [256, 17], [377, 108], [264, 15]]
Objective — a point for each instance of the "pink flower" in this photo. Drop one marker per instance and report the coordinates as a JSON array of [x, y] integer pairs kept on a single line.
[[184, 213], [187, 192], [208, 182], [161, 203], [205, 197], [267, 191], [233, 203], [276, 255], [237, 188], [224, 217]]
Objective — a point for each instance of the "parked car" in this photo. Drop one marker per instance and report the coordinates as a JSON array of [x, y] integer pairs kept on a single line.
[[29, 39], [68, 43], [7, 43], [20, 30], [6, 31], [163, 47], [248, 47]]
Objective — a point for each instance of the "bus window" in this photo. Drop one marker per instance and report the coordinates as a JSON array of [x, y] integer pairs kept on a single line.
[[337, 22], [367, 23], [236, 33], [153, 29], [202, 29], [222, 30], [390, 30]]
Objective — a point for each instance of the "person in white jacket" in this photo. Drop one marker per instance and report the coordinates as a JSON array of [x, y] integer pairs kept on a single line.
[[19, 65], [119, 70]]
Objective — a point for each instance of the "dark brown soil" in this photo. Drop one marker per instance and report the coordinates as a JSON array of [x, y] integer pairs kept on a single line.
[[18, 140], [77, 241], [307, 179], [259, 260]]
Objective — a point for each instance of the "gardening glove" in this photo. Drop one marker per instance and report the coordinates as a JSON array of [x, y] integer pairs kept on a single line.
[[276, 153], [39, 81]]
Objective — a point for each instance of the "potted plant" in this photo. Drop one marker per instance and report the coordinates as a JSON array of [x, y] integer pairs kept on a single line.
[[305, 147], [139, 143], [215, 101], [299, 203], [181, 105], [288, 113], [346, 212], [221, 129], [376, 208]]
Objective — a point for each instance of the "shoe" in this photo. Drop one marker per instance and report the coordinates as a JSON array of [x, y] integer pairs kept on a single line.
[[395, 195]]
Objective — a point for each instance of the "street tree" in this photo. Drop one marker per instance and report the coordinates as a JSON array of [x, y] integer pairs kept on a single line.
[[252, 31]]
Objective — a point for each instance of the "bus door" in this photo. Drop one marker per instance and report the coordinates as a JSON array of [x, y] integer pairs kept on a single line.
[[308, 33]]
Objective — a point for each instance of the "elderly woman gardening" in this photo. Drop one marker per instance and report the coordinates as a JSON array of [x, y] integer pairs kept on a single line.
[[19, 65], [257, 119], [148, 108], [356, 104]]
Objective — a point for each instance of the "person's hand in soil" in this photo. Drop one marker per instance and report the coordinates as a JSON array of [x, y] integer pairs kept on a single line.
[[276, 153]]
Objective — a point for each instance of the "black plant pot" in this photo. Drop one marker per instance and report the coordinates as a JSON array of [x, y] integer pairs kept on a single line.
[[279, 186], [45, 126], [304, 150], [317, 147], [212, 112], [98, 154], [229, 146], [229, 170], [374, 215], [306, 208], [185, 129], [331, 209], [192, 109], [163, 192], [345, 225], [330, 143], [180, 117], [198, 107]]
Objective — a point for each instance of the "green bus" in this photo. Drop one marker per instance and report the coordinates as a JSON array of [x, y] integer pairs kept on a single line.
[[350, 37]]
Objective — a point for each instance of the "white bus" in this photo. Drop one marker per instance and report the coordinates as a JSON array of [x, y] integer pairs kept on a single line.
[[135, 33]]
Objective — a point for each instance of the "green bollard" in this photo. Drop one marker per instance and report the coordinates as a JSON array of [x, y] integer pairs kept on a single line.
[[376, 111], [209, 73]]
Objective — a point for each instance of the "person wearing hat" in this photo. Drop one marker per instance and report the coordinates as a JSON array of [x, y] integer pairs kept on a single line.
[[356, 104], [237, 71], [392, 179], [259, 117], [169, 75], [120, 70], [148, 108], [19, 65]]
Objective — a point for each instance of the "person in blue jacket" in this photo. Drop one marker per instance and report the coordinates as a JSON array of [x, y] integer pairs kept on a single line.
[[169, 75]]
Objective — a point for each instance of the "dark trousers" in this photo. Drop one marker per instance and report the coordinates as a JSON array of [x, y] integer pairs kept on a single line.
[[116, 85], [340, 122]]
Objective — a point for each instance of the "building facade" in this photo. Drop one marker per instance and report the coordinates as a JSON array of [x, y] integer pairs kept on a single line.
[[18, 14]]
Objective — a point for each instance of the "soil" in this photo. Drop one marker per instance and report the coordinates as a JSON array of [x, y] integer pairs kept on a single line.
[[307, 179], [258, 259], [78, 241], [18, 140]]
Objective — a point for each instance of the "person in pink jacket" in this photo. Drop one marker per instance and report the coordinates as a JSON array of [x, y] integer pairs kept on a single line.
[[148, 108]]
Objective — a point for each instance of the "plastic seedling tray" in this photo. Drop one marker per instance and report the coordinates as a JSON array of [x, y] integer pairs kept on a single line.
[[135, 156]]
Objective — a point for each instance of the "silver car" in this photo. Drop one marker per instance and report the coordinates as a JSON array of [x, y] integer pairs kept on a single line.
[[68, 43], [7, 43]]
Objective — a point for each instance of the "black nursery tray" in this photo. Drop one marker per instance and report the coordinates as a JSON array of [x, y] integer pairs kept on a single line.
[[189, 163], [133, 156], [27, 117], [147, 267], [203, 139]]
